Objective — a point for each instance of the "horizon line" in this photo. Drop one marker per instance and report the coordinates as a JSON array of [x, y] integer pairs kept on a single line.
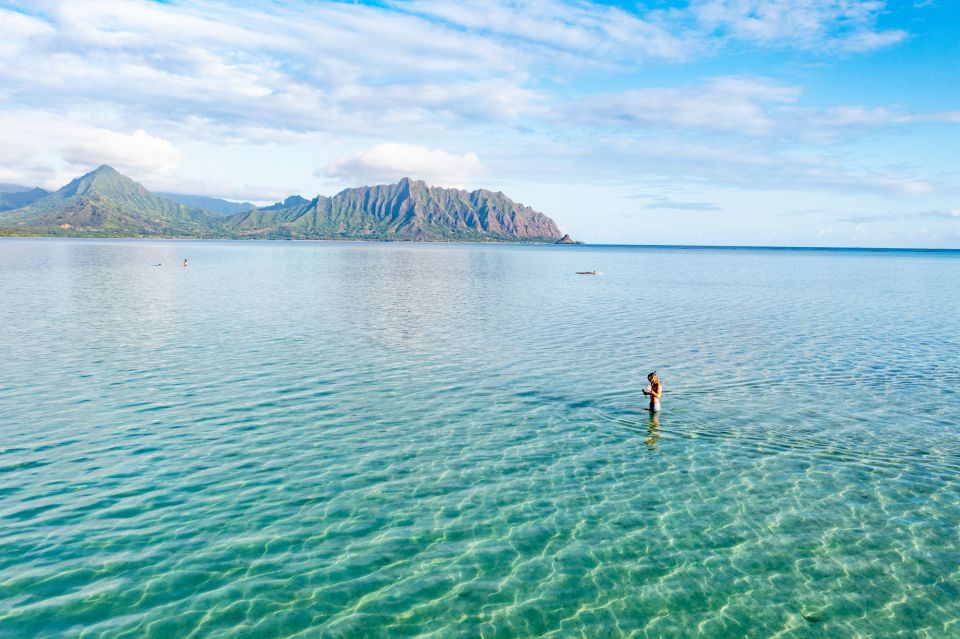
[[755, 247]]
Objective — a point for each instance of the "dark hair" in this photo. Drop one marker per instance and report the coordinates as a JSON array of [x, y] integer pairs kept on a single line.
[[649, 375]]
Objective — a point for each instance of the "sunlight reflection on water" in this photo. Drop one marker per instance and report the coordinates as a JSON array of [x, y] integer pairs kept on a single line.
[[341, 439]]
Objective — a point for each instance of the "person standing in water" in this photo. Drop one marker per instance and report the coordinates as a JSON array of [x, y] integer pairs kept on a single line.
[[184, 261], [654, 390]]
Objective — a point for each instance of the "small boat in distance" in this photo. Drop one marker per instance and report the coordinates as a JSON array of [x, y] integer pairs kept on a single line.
[[589, 273]]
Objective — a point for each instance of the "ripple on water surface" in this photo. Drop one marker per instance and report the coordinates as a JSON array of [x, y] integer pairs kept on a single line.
[[342, 440]]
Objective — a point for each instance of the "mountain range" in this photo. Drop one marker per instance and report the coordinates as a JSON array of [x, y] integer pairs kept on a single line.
[[105, 203], [209, 204], [13, 196]]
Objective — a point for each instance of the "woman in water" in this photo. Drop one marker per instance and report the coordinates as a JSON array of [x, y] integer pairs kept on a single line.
[[654, 390]]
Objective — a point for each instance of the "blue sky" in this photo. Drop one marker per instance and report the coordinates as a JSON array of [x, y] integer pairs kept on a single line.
[[802, 122]]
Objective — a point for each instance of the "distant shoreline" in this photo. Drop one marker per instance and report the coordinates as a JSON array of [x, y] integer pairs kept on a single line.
[[174, 238], [695, 247], [106, 203]]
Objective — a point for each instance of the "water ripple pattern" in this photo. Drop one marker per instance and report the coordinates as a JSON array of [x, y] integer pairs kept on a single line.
[[372, 440]]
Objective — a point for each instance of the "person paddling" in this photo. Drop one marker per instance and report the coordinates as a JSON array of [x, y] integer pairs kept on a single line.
[[654, 390]]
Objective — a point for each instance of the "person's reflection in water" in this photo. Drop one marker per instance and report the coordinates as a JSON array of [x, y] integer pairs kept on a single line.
[[653, 430]]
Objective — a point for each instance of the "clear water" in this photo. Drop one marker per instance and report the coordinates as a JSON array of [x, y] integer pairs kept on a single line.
[[347, 440]]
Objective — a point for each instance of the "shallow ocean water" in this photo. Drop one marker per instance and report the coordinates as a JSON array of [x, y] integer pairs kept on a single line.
[[310, 439]]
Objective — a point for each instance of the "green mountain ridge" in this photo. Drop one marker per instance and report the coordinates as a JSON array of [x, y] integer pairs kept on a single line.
[[104, 203], [407, 210], [15, 199], [209, 204]]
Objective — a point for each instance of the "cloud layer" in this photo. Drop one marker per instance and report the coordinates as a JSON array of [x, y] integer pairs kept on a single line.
[[834, 25], [192, 93], [423, 65], [391, 162]]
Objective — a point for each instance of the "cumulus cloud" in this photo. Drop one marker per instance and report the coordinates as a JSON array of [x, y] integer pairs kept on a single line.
[[390, 162], [47, 150]]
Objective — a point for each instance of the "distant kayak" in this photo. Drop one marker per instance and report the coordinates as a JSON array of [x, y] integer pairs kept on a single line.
[[589, 273]]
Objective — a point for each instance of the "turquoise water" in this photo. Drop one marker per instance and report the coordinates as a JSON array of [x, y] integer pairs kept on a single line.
[[349, 440]]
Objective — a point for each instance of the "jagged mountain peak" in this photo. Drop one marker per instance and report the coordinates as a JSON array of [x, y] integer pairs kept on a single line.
[[104, 180], [104, 173], [294, 200], [105, 202], [405, 210], [290, 202]]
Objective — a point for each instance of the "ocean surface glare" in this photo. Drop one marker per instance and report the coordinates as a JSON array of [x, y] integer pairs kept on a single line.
[[314, 439]]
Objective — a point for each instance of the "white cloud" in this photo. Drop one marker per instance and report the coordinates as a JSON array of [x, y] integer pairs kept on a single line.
[[47, 150], [135, 152], [332, 66], [752, 164], [16, 29], [584, 30], [130, 83], [739, 106], [870, 40], [807, 24], [390, 162], [951, 215], [258, 193], [735, 105], [684, 206], [349, 68], [934, 215]]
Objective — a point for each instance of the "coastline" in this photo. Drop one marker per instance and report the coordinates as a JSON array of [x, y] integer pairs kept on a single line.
[[231, 238], [693, 247]]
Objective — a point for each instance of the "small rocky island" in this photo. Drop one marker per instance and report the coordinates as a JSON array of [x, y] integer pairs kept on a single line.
[[566, 239]]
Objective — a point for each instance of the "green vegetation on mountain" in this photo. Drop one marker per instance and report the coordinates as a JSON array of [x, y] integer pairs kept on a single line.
[[408, 210], [14, 199], [105, 203]]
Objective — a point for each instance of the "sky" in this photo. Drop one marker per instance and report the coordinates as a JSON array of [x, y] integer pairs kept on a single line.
[[730, 122]]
